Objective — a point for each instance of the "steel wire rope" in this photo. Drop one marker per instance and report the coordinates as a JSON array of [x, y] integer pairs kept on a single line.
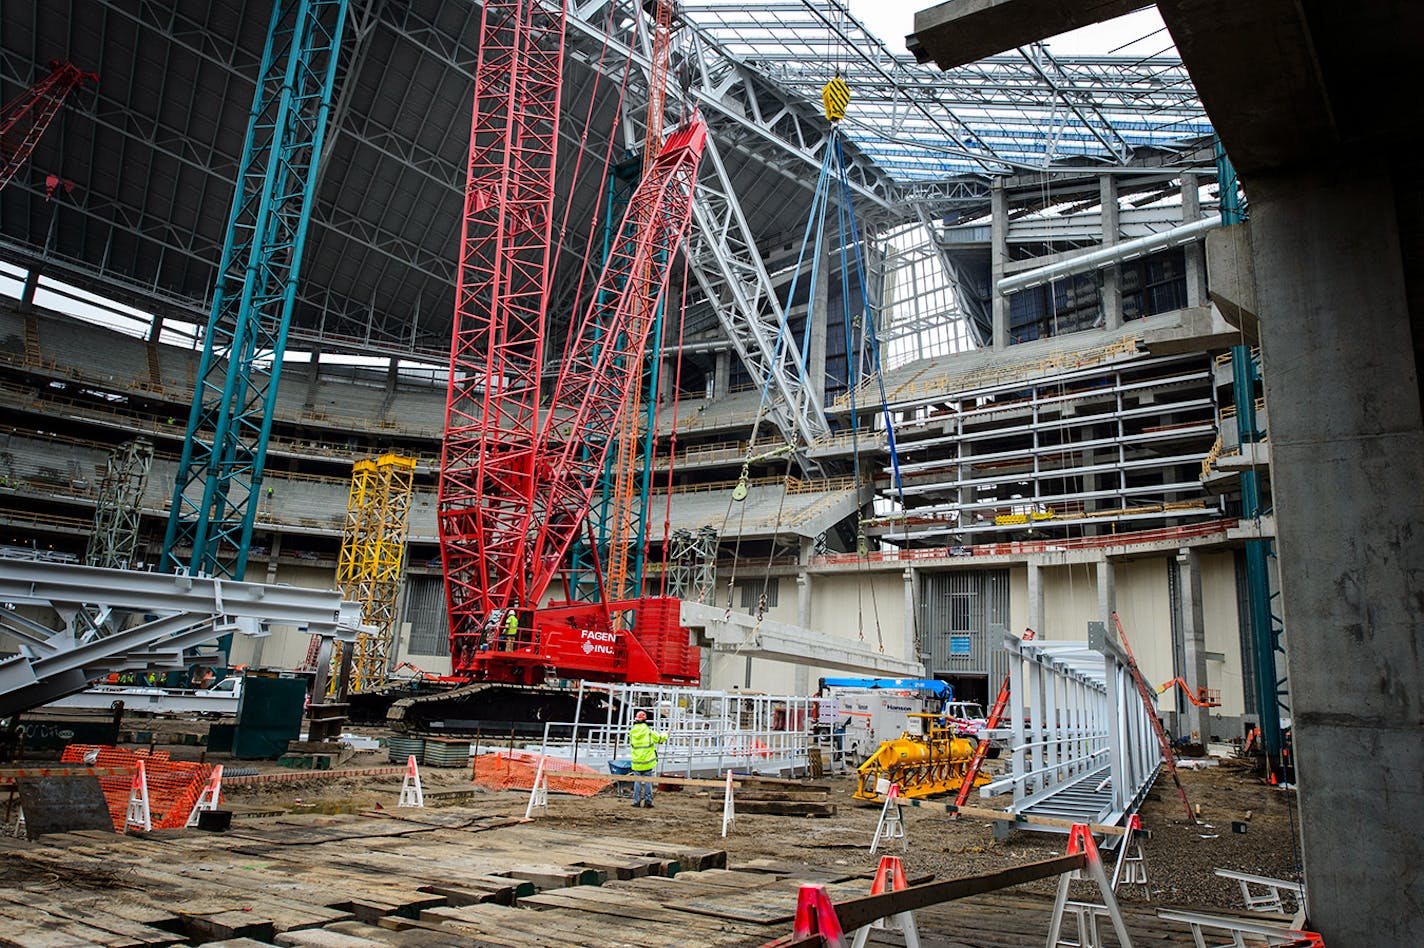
[[848, 226], [574, 323], [672, 434], [818, 201]]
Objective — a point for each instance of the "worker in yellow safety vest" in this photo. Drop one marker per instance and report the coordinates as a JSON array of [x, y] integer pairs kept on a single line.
[[643, 740], [511, 630]]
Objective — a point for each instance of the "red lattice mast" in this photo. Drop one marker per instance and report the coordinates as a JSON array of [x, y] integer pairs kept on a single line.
[[487, 471], [24, 118]]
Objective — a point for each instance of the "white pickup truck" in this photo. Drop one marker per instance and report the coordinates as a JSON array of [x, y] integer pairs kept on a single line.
[[221, 698]]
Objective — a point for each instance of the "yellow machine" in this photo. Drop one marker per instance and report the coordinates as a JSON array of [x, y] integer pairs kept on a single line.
[[923, 766]]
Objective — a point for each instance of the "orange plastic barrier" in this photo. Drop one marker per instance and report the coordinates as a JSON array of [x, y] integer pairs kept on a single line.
[[173, 786], [515, 771]]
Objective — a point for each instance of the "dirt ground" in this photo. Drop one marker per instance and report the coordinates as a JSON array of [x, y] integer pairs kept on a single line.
[[1180, 856]]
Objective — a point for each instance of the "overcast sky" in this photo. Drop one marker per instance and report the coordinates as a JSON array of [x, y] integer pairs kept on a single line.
[[893, 20]]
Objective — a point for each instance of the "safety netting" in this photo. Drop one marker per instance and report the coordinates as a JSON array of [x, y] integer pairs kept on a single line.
[[173, 786], [516, 770]]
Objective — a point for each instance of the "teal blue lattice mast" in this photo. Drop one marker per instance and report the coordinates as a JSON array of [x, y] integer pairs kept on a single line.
[[219, 482], [622, 181]]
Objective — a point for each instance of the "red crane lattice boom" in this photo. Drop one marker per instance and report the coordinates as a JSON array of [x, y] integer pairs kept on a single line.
[[25, 117], [487, 472], [598, 376]]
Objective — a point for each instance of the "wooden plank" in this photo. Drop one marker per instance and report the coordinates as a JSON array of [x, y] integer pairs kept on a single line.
[[807, 796], [134, 932], [14, 917], [507, 926], [620, 904], [320, 938], [20, 934], [411, 938], [779, 808], [217, 925]]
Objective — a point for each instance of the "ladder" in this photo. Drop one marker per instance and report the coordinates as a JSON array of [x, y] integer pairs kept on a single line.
[[1149, 699], [996, 714]]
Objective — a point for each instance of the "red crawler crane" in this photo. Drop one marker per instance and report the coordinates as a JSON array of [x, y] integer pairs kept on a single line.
[[516, 477], [25, 117]]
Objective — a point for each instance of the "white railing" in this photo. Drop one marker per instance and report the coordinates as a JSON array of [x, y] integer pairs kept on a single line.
[[708, 732]]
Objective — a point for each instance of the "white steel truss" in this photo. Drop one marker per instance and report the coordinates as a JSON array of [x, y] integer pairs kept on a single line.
[[1082, 747], [112, 619]]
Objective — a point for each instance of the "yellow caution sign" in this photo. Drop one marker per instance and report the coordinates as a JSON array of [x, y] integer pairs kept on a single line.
[[836, 96]]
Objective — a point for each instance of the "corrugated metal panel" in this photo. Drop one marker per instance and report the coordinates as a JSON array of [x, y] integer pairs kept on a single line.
[[956, 610], [425, 611]]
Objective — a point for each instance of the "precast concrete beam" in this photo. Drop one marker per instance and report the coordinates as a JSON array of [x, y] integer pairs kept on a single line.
[[722, 630], [963, 31]]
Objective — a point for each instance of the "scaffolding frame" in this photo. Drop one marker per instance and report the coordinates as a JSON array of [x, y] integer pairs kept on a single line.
[[113, 544], [371, 563], [692, 564]]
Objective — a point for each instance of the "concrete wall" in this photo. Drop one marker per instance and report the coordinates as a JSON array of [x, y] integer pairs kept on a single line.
[[1070, 602], [1223, 636], [1144, 606]]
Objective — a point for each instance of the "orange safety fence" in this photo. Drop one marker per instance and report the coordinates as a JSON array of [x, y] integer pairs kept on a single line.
[[173, 786], [516, 770]]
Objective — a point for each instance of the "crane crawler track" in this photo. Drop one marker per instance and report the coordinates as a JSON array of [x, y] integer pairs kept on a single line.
[[495, 710]]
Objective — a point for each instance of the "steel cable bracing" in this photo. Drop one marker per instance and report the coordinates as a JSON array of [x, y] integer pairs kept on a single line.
[[488, 469], [588, 555], [672, 432], [621, 524], [218, 485]]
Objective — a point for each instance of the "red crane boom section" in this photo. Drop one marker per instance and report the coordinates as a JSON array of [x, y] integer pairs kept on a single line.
[[24, 118], [488, 462]]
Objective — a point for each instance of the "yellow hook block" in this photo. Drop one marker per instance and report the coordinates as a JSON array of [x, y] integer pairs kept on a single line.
[[835, 96]]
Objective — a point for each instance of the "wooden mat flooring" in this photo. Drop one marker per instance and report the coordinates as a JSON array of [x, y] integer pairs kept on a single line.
[[441, 878]]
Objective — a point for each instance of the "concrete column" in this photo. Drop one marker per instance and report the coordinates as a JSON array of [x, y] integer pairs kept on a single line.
[[721, 373], [155, 328], [803, 619], [998, 256], [667, 381], [1194, 253], [818, 316], [1333, 271], [1112, 285], [1107, 592], [1193, 642], [912, 601], [27, 293], [1035, 598]]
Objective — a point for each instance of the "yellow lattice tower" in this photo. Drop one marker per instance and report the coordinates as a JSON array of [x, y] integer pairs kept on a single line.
[[372, 561]]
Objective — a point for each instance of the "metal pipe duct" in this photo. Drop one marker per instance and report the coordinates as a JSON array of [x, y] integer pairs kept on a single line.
[[1108, 256]]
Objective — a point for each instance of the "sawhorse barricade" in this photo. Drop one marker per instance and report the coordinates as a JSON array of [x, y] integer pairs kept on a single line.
[[820, 922]]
